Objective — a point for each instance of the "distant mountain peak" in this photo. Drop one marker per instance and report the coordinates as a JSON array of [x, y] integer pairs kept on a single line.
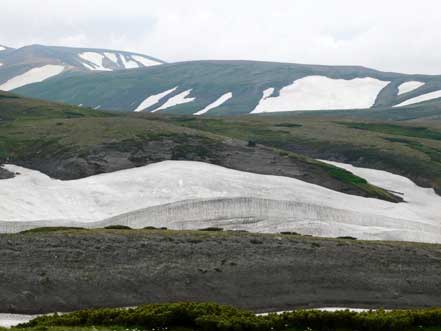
[[36, 63]]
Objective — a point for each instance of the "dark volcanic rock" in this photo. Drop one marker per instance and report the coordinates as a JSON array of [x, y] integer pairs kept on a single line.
[[64, 271]]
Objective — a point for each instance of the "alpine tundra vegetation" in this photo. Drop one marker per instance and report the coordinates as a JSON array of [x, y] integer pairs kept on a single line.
[[209, 165]]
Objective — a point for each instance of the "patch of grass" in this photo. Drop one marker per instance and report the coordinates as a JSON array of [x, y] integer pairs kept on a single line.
[[118, 227], [50, 229], [399, 130], [288, 125]]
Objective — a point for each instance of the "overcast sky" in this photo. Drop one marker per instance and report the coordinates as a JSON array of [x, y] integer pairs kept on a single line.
[[392, 35]]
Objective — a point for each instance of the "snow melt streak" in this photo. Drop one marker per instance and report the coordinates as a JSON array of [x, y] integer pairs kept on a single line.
[[224, 98], [34, 75], [322, 93], [96, 59], [179, 99], [145, 61], [153, 100], [128, 63], [421, 98]]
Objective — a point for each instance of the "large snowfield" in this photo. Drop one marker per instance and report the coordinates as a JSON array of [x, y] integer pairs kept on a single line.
[[34, 75], [323, 93], [192, 195]]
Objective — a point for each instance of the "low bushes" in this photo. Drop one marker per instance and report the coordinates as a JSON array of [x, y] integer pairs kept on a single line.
[[213, 317]]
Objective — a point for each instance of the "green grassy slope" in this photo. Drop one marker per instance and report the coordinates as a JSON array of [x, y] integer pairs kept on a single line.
[[208, 80], [402, 148], [70, 142]]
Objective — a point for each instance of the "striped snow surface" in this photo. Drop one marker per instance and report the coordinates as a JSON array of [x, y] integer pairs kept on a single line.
[[220, 101], [191, 195], [153, 99], [112, 57], [34, 75], [409, 86], [96, 59], [421, 98], [145, 61], [178, 99], [128, 63], [323, 93]]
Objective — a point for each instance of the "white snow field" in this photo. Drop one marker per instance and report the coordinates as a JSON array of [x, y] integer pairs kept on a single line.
[[128, 63], [323, 93], [421, 98], [153, 99], [145, 61], [224, 98], [2, 48], [10, 320], [178, 99], [34, 75], [265, 95], [193, 195], [96, 59], [112, 57], [409, 86]]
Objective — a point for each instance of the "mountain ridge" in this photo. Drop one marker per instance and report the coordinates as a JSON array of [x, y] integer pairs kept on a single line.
[[192, 86]]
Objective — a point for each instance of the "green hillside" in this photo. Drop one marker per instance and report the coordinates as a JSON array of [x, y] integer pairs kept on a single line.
[[207, 81], [72, 142]]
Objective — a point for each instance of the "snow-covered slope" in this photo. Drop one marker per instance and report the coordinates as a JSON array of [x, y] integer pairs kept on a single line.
[[181, 194], [18, 62], [175, 100], [234, 87], [321, 93], [153, 99], [421, 98], [409, 86], [224, 98], [34, 75]]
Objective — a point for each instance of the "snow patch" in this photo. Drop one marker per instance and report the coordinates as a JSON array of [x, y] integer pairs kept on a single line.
[[421, 98], [128, 64], [323, 93], [10, 320], [265, 95], [178, 99], [185, 194], [224, 98], [2, 48], [153, 99], [145, 61], [409, 86], [112, 57], [96, 59], [34, 75], [1, 64]]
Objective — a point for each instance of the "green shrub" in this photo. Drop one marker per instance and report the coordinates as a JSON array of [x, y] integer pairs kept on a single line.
[[118, 227], [211, 229], [213, 317]]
